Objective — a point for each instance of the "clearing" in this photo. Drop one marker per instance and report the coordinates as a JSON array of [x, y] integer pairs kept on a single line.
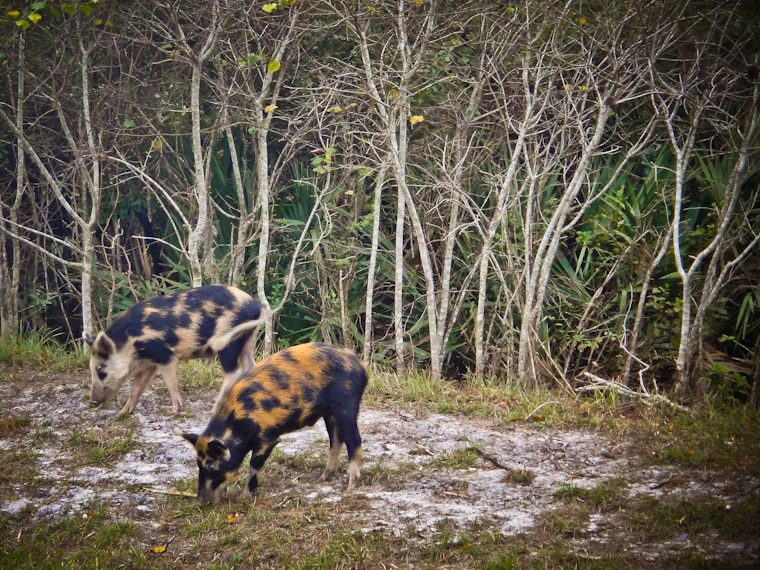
[[437, 491]]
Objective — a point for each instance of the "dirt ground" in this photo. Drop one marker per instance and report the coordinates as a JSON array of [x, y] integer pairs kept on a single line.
[[421, 469]]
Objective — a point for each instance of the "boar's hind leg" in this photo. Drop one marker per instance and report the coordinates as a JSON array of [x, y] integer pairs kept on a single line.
[[335, 445], [348, 432], [228, 358], [138, 386], [169, 372]]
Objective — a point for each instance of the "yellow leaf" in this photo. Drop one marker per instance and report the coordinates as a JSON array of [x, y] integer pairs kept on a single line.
[[14, 13], [159, 549], [269, 8], [273, 66], [34, 18], [337, 109], [582, 21], [416, 119], [232, 518], [23, 24], [349, 192], [371, 8], [328, 157], [269, 108], [157, 144]]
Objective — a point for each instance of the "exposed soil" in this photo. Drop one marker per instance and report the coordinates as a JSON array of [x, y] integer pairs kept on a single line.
[[412, 482]]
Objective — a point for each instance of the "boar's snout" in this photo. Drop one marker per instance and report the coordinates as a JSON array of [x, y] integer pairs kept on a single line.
[[206, 496], [100, 394]]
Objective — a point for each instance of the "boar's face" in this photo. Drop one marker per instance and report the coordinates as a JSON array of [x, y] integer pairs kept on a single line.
[[108, 368], [214, 471]]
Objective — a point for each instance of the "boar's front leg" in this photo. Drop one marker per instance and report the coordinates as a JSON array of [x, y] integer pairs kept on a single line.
[[258, 458], [138, 386]]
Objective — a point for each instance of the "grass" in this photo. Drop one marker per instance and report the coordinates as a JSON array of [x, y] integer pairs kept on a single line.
[[716, 432], [42, 351], [101, 448], [500, 400], [607, 493], [735, 522], [13, 424], [200, 374], [520, 477], [462, 458], [91, 541], [280, 528]]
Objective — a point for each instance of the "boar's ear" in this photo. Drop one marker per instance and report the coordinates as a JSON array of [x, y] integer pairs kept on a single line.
[[103, 345], [191, 437], [217, 451]]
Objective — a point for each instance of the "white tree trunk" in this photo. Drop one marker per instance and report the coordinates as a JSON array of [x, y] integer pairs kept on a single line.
[[376, 205]]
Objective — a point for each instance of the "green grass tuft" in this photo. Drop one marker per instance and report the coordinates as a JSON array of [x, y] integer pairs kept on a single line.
[[42, 351]]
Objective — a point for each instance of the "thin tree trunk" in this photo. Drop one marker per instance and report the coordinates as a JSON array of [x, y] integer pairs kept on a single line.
[[379, 182], [638, 323], [495, 222], [201, 190], [10, 275]]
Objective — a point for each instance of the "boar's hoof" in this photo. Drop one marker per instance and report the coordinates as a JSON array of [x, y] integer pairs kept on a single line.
[[327, 475]]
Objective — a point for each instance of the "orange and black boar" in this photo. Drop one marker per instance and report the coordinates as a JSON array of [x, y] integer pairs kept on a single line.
[[153, 336], [281, 394]]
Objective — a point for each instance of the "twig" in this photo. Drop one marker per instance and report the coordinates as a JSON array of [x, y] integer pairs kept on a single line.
[[601, 384], [491, 459], [530, 415], [171, 492]]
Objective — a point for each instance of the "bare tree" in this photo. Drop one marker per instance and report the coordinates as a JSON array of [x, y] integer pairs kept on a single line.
[[699, 94]]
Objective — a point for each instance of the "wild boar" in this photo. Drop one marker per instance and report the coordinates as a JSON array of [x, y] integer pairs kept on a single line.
[[283, 393], [155, 335]]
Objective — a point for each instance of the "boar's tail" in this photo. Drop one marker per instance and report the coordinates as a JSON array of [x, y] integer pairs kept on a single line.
[[218, 343]]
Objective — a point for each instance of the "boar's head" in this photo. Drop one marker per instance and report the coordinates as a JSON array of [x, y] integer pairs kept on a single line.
[[214, 469], [109, 367]]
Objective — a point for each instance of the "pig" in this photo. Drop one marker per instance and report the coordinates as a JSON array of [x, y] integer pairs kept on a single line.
[[283, 393], [155, 335]]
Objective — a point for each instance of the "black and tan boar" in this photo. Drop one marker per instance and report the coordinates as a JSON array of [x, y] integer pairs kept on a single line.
[[283, 393], [155, 335]]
